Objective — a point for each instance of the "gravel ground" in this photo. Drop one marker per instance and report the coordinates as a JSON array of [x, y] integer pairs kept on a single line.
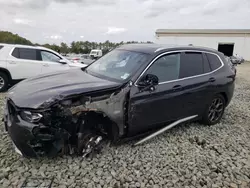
[[190, 155]]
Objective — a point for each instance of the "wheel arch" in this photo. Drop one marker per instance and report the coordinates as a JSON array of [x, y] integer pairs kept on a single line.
[[6, 72], [224, 96]]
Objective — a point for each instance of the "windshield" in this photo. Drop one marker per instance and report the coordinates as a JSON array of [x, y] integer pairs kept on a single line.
[[93, 52], [118, 64]]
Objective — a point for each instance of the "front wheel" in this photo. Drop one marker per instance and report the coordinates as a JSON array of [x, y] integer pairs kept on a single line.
[[214, 110]]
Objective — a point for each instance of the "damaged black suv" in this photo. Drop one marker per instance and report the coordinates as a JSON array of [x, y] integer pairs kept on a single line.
[[133, 89]]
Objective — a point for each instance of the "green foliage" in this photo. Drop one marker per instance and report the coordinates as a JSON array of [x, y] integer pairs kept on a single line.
[[10, 38], [83, 47]]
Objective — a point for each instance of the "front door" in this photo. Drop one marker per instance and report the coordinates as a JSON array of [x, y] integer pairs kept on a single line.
[[148, 108], [182, 91]]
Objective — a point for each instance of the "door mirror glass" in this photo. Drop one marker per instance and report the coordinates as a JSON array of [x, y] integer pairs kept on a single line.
[[148, 80], [62, 61]]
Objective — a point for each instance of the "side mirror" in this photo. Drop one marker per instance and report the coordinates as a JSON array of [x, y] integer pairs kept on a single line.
[[148, 80], [62, 61]]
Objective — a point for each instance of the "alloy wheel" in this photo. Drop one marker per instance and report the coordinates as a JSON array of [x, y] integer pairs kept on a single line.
[[215, 109], [1, 82]]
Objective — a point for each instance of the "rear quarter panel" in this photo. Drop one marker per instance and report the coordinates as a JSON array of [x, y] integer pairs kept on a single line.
[[225, 81]]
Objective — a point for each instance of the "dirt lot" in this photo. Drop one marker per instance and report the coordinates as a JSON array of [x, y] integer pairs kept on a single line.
[[187, 156]]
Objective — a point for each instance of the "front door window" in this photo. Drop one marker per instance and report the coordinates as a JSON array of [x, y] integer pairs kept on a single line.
[[166, 68], [48, 56]]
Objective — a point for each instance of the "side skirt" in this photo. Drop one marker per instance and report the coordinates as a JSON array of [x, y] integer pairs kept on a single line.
[[165, 129]]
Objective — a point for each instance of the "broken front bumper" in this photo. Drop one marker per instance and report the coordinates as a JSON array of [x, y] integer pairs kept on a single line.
[[20, 134], [29, 139]]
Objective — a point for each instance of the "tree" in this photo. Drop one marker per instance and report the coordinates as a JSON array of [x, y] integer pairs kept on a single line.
[[10, 38], [75, 46], [64, 48]]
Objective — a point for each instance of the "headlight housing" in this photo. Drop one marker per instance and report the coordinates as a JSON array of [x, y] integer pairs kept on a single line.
[[31, 116]]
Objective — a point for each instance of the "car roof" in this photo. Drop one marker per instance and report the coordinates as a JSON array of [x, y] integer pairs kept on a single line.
[[155, 48], [24, 46]]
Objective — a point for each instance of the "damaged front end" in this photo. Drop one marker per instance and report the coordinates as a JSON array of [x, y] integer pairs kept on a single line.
[[75, 124]]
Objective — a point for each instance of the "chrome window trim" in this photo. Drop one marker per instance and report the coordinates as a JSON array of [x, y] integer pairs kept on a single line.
[[179, 51]]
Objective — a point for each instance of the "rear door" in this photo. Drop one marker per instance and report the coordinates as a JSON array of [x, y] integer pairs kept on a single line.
[[51, 62], [195, 82], [23, 63]]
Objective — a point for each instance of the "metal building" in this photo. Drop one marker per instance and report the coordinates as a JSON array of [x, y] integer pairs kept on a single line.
[[228, 41]]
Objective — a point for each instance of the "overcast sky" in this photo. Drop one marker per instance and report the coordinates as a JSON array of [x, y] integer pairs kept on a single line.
[[55, 21]]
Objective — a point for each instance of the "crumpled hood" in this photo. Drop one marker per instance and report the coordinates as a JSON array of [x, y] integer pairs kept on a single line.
[[38, 91]]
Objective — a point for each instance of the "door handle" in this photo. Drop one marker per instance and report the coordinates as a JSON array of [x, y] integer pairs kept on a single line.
[[211, 79], [12, 62], [177, 87], [45, 65]]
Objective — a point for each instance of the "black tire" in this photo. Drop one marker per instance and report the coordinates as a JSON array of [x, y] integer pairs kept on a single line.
[[4, 82], [214, 110]]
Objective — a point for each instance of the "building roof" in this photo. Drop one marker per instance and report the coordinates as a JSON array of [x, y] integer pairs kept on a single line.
[[202, 31]]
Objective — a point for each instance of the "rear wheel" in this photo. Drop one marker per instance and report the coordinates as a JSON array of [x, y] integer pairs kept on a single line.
[[214, 111], [4, 82]]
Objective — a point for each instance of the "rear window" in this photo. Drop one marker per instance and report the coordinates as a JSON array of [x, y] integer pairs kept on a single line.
[[25, 53], [214, 61]]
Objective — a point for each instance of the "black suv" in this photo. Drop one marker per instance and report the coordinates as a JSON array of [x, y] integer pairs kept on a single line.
[[131, 90]]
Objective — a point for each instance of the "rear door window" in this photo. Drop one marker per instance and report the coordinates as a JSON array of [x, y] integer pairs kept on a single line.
[[191, 64], [214, 61], [25, 53]]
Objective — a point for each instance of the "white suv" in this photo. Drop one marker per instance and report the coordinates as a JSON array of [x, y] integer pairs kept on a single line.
[[18, 62]]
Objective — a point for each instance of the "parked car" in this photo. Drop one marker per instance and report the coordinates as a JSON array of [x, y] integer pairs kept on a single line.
[[18, 62], [74, 58], [87, 59], [242, 60], [237, 59], [81, 58], [95, 54], [234, 60], [231, 64], [128, 92]]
